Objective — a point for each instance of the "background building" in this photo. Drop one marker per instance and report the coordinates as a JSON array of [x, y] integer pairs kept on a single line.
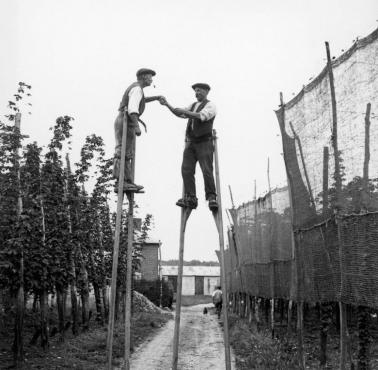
[[149, 266], [196, 280]]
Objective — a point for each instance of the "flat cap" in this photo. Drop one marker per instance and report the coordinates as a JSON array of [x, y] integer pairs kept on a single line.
[[201, 85], [145, 71]]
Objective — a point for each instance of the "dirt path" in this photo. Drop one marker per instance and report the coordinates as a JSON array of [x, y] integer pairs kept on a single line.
[[201, 344]]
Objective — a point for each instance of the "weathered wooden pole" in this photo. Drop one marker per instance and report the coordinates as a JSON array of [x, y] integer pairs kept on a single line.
[[219, 222], [129, 268], [271, 257], [185, 213], [237, 242], [325, 309], [129, 256], [363, 311], [342, 307], [296, 137], [18, 350], [121, 179], [366, 194], [297, 266]]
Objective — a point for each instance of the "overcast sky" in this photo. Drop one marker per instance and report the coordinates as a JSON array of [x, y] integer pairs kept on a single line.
[[79, 56]]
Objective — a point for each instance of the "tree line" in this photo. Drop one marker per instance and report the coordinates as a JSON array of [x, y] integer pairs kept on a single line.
[[56, 238]]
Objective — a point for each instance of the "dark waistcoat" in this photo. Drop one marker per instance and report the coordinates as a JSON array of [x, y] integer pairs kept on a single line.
[[125, 100], [200, 128]]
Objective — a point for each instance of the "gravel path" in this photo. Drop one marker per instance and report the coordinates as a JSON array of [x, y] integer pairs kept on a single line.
[[201, 344]]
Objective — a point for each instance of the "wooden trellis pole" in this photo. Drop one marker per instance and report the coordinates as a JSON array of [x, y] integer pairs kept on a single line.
[[338, 185], [219, 222], [271, 261], [295, 241], [20, 300]]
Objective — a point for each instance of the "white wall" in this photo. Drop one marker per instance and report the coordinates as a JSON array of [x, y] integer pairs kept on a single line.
[[188, 285], [210, 282]]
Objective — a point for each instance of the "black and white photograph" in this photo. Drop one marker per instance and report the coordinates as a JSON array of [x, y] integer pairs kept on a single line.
[[189, 185]]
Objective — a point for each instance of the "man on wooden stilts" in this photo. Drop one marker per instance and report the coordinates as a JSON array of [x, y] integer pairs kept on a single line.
[[199, 146], [132, 105]]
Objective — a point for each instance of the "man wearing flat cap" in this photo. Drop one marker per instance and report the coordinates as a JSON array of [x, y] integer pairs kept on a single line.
[[132, 106], [199, 146]]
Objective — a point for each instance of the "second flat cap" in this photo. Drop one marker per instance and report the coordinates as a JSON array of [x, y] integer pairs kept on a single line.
[[201, 85], [145, 71]]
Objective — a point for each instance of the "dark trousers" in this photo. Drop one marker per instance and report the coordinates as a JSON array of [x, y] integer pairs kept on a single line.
[[203, 153], [130, 147]]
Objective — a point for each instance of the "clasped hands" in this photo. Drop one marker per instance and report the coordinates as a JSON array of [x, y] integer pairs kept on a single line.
[[163, 100]]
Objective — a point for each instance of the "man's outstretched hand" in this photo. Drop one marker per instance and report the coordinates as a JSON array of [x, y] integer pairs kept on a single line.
[[163, 100]]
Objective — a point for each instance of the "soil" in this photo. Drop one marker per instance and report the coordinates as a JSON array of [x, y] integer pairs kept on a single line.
[[201, 344]]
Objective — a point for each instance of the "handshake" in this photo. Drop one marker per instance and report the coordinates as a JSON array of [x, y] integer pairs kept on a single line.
[[177, 111], [163, 100]]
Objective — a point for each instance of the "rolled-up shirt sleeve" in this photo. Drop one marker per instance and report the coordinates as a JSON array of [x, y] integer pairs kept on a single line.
[[208, 112], [135, 97]]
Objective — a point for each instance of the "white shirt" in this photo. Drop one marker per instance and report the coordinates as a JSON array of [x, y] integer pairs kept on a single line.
[[208, 112], [135, 96]]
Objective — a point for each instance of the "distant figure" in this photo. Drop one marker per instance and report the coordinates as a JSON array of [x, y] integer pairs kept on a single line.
[[217, 300], [205, 311]]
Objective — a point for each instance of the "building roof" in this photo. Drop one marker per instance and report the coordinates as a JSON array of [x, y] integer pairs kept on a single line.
[[191, 270]]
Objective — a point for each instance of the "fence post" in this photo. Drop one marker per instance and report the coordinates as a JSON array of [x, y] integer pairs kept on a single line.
[[343, 321], [365, 178], [324, 307], [271, 257], [363, 312], [18, 349], [300, 277]]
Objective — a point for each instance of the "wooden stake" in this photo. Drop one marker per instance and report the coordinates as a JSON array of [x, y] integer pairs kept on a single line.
[[237, 244], [324, 307], [232, 199], [302, 361], [343, 322], [219, 222], [129, 256], [301, 353], [325, 180], [20, 300], [129, 272], [343, 319], [296, 137], [185, 213], [366, 194], [116, 245], [271, 262]]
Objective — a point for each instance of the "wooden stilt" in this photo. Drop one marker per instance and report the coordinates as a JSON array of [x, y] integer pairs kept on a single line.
[[116, 247], [185, 213], [129, 269], [130, 241], [219, 222]]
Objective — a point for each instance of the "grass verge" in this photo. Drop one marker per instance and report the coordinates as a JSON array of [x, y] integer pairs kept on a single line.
[[257, 350], [87, 351]]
